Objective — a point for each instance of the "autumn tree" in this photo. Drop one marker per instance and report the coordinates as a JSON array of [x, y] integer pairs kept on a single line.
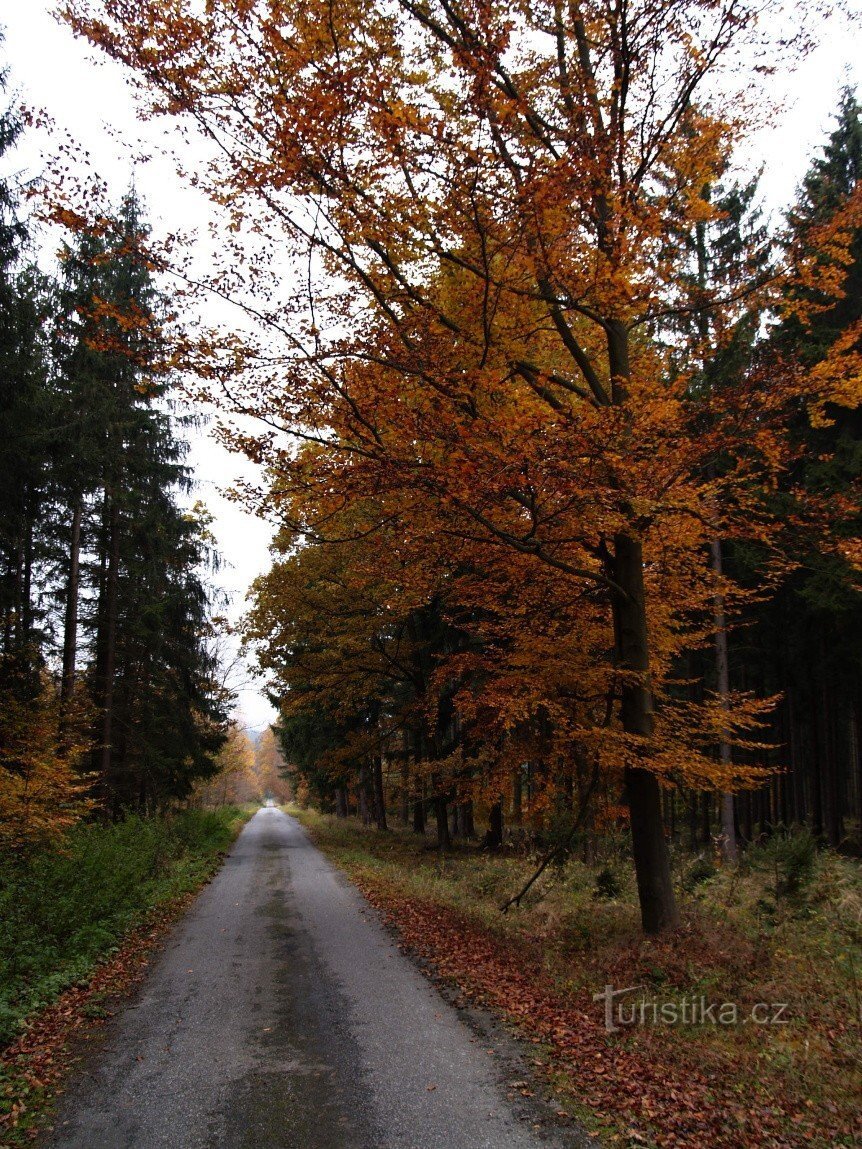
[[270, 767], [350, 638], [478, 198], [236, 778]]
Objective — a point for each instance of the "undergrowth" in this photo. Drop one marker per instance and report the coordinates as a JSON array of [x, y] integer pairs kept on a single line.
[[63, 909]]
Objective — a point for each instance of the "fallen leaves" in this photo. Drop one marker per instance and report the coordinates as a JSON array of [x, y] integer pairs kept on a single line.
[[648, 1098]]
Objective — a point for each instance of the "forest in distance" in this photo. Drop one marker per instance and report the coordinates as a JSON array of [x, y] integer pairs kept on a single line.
[[559, 432]]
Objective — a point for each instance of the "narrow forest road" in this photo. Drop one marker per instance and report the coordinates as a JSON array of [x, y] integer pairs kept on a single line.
[[281, 1013]]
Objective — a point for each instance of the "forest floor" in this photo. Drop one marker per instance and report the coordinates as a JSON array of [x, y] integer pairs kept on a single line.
[[79, 922], [774, 947]]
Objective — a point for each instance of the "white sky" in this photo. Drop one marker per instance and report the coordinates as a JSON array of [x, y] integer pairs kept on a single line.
[[87, 97]]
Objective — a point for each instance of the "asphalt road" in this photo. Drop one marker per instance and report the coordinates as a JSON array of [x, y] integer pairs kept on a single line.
[[281, 1013]]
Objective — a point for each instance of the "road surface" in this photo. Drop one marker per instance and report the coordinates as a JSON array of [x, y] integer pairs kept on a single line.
[[281, 1013]]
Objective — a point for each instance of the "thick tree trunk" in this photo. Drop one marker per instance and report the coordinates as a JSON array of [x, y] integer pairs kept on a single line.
[[494, 836], [652, 866], [340, 802], [651, 857], [444, 839]]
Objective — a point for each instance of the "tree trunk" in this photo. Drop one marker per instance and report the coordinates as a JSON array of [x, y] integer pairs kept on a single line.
[[828, 764], [405, 779], [109, 644], [419, 782], [729, 848], [705, 828], [651, 857], [747, 814], [856, 743], [379, 795], [467, 826], [444, 840], [419, 816], [494, 836], [70, 625], [692, 822], [27, 580], [364, 795]]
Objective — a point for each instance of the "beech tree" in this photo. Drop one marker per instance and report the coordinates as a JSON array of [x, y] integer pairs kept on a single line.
[[479, 198]]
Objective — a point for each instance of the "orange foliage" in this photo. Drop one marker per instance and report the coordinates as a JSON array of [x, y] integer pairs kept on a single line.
[[470, 383], [42, 791]]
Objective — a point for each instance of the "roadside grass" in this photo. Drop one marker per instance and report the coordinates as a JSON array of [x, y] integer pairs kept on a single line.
[[785, 927], [61, 910]]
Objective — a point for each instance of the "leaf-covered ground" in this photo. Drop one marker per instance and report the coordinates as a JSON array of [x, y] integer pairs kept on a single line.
[[692, 1085], [80, 925]]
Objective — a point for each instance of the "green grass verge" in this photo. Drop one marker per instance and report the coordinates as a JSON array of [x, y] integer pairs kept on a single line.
[[62, 910]]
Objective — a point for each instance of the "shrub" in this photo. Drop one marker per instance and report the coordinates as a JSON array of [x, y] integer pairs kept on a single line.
[[792, 856], [62, 908], [700, 871], [607, 885]]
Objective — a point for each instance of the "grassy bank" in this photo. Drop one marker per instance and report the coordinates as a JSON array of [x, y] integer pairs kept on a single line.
[[63, 910], [784, 929]]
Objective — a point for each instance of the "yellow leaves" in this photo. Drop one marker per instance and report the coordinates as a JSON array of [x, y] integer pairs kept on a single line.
[[42, 791], [837, 378]]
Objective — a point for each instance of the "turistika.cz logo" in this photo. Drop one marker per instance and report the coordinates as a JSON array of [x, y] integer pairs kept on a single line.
[[623, 1014]]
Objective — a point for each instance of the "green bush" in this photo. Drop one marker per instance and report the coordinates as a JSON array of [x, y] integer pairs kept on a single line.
[[64, 908], [698, 872], [793, 858], [608, 884]]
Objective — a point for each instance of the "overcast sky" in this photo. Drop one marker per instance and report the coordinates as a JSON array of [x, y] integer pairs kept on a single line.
[[87, 97], [52, 70]]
